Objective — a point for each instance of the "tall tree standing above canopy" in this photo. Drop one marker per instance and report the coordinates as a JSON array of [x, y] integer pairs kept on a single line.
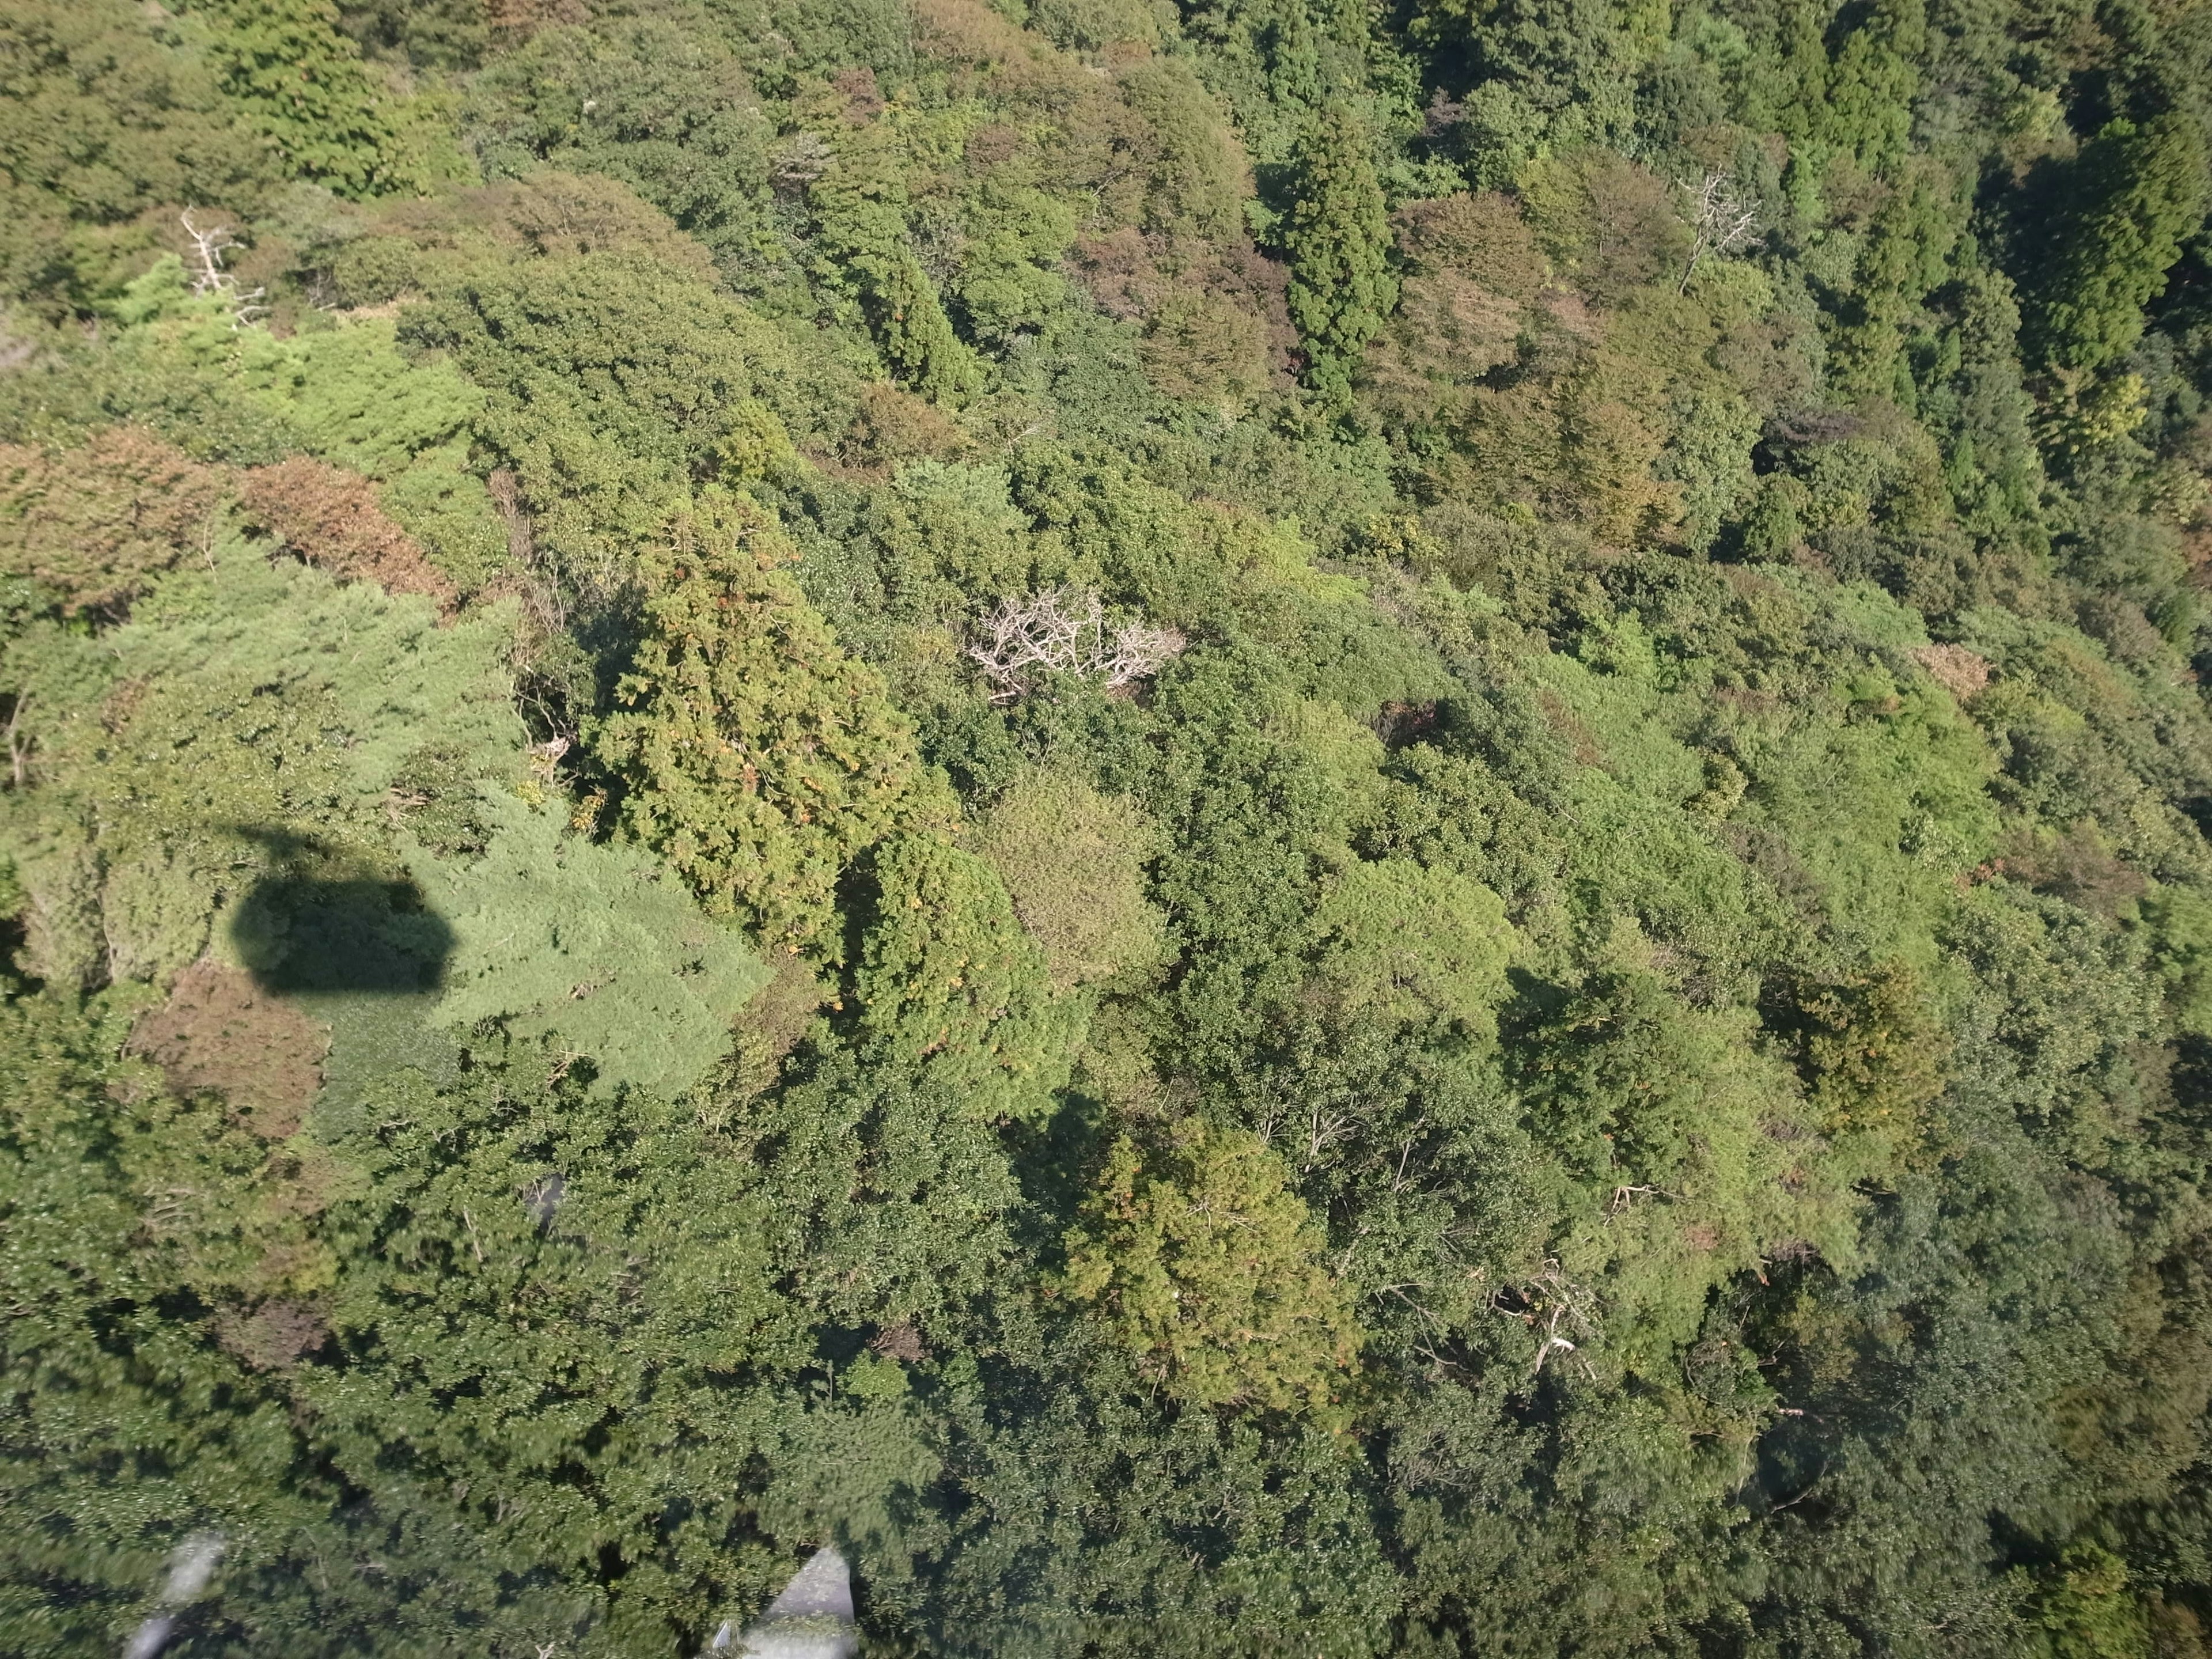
[[1338, 239], [761, 759], [861, 204], [2135, 194]]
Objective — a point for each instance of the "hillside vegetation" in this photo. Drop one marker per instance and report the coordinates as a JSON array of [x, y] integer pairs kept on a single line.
[[1254, 827]]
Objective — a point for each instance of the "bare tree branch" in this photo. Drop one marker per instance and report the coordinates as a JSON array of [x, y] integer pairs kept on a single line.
[[209, 249], [1720, 221], [1550, 1292], [19, 747], [1064, 630]]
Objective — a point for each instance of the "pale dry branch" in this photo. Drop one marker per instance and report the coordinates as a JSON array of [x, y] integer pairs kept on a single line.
[[209, 247], [18, 746], [1720, 221], [1322, 1132], [1064, 630], [1549, 1301], [545, 758], [1405, 1156]]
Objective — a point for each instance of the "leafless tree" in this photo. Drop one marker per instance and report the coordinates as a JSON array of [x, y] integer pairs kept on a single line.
[[209, 247], [545, 758], [1323, 1130], [798, 161], [1721, 222], [1064, 629], [1550, 1304]]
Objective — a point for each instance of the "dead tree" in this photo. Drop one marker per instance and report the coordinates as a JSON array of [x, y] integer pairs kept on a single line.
[[1551, 1304], [209, 249], [1720, 222], [1064, 630]]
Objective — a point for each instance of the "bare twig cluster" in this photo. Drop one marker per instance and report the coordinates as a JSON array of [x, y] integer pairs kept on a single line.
[[209, 247], [545, 758], [1550, 1304], [18, 743], [798, 161], [1064, 629], [1721, 222]]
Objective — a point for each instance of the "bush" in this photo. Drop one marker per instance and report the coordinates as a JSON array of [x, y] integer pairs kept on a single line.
[[91, 527], [333, 519]]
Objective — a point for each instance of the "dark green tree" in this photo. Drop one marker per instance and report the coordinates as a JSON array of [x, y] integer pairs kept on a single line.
[[2132, 196], [1337, 235]]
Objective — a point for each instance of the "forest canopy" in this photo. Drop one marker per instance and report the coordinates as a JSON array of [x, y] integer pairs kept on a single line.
[[1244, 826]]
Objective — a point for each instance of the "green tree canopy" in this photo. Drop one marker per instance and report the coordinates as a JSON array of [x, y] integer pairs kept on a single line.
[[759, 757], [1337, 238]]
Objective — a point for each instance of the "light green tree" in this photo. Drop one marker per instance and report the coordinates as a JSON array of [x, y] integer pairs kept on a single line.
[[1073, 860], [761, 759], [587, 947], [1397, 941]]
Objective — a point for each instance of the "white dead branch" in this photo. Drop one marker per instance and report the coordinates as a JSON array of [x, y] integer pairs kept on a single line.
[[1720, 221], [209, 249], [1064, 630], [1546, 1302]]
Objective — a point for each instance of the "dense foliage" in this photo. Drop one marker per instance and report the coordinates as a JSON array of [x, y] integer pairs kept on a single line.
[[1250, 827]]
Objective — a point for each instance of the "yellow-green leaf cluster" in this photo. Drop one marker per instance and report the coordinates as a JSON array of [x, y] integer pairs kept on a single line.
[[1208, 1269], [761, 760], [1073, 860]]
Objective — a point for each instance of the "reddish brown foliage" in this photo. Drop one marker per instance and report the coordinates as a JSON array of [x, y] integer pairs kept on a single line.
[[1119, 271], [1215, 320], [991, 144], [893, 426], [863, 102], [276, 1335], [2079, 864], [1481, 238], [219, 1032], [1957, 670], [331, 519], [90, 525]]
